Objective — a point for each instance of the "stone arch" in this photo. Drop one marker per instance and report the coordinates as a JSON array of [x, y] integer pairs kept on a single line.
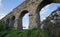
[[56, 1], [42, 4], [35, 15], [23, 13], [20, 26]]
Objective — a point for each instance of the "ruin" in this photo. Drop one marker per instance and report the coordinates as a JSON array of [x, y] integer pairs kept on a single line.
[[14, 19]]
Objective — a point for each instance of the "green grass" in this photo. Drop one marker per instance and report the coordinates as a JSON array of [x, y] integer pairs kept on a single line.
[[57, 33], [23, 33], [1, 25]]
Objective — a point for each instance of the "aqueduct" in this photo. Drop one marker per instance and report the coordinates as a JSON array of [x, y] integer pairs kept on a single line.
[[14, 18]]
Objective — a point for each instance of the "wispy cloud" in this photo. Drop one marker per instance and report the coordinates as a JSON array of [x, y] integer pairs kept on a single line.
[[2, 10], [1, 16]]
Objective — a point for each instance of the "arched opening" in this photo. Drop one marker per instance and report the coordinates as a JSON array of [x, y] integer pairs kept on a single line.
[[24, 19], [44, 6], [48, 9], [41, 5]]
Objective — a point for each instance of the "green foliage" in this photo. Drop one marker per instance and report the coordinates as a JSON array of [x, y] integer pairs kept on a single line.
[[58, 33], [1, 25]]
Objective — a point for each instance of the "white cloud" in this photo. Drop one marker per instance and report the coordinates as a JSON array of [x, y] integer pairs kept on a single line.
[[45, 9], [0, 2], [2, 10], [1, 16], [43, 18]]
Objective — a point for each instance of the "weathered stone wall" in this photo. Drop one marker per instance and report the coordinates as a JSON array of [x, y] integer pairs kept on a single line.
[[29, 6]]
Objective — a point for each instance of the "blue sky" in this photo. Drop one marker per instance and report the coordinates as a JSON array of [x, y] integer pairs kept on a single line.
[[46, 11], [7, 6]]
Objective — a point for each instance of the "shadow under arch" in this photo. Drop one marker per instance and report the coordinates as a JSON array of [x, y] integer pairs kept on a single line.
[[22, 14]]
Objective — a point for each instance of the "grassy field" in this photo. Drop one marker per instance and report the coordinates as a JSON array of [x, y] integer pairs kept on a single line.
[[23, 33]]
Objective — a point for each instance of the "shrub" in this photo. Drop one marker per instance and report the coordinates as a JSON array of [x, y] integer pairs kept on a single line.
[[1, 25]]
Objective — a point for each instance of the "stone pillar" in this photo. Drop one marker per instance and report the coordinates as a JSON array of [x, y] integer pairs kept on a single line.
[[7, 23], [12, 23], [34, 19], [18, 24]]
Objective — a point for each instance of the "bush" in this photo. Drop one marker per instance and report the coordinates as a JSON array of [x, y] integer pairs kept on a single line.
[[1, 25]]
